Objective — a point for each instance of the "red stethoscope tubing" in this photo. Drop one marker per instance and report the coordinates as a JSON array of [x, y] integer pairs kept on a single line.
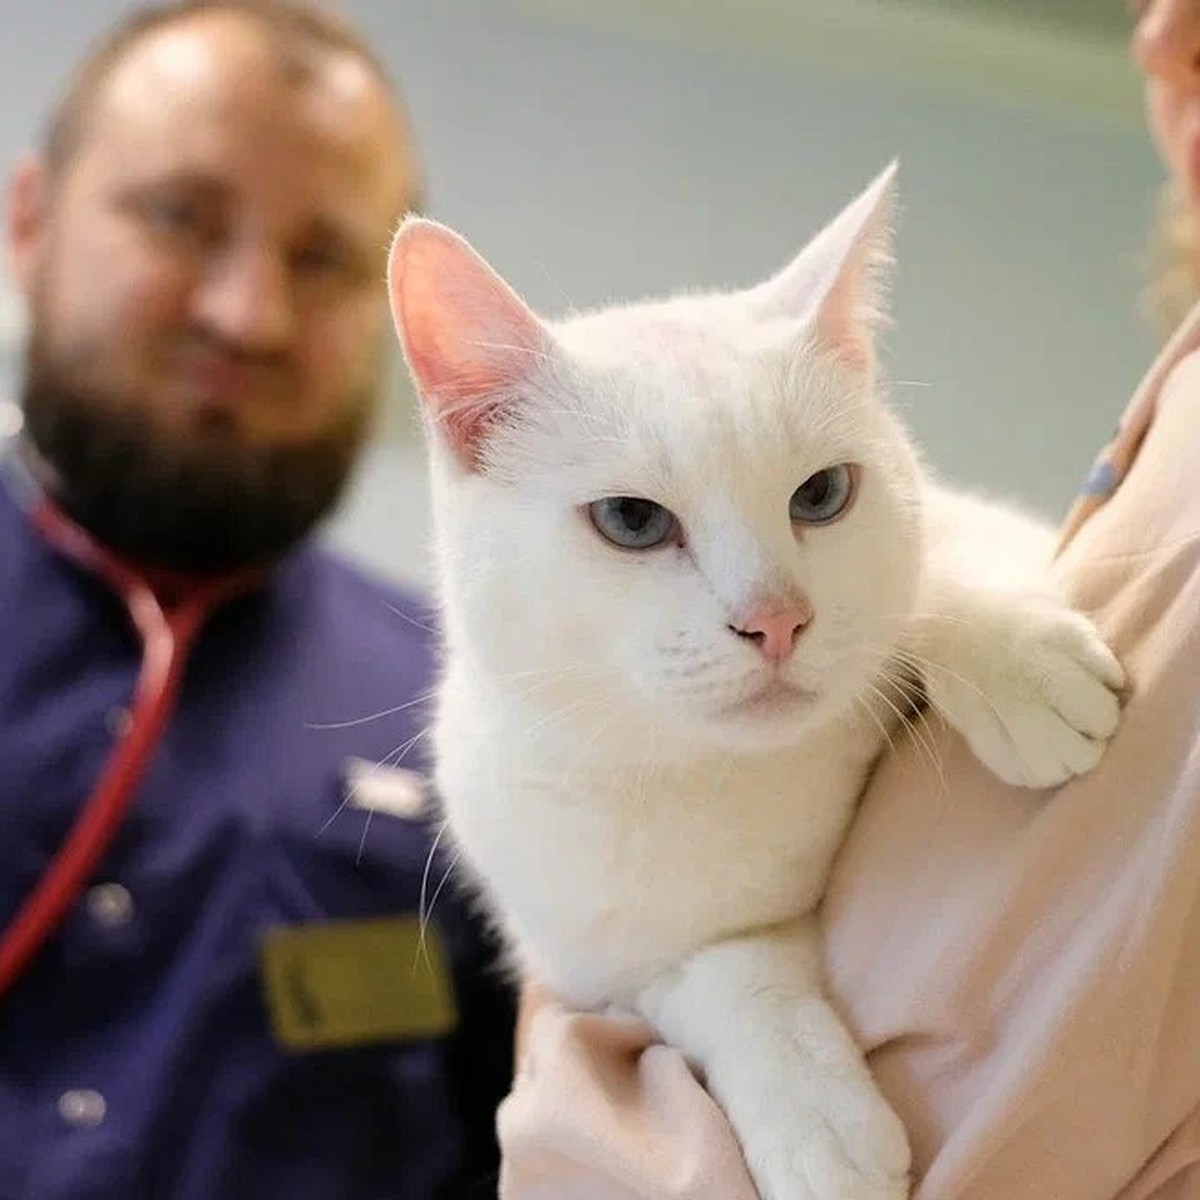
[[167, 633]]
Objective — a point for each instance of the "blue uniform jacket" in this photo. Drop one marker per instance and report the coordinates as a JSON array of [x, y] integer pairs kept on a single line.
[[137, 1058]]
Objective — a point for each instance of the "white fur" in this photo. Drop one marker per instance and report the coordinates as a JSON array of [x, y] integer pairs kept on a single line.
[[644, 841]]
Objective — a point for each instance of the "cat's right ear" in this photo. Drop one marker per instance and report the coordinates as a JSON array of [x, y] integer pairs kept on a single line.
[[469, 339], [835, 287]]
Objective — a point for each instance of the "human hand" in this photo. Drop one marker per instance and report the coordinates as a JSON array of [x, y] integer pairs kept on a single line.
[[600, 1110]]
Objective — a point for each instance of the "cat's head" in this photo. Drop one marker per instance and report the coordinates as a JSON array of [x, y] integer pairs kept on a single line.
[[689, 520]]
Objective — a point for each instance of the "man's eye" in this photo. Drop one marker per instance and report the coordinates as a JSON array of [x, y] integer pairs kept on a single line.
[[173, 214], [180, 218], [331, 261], [321, 260]]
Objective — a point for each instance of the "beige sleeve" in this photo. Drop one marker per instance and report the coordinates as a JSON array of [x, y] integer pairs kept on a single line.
[[1023, 968]]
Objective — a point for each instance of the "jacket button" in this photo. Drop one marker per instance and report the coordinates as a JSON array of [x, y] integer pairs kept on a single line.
[[82, 1108], [110, 905]]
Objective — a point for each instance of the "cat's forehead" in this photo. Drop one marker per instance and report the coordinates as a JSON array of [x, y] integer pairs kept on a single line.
[[687, 332], [699, 358], [693, 391], [695, 363]]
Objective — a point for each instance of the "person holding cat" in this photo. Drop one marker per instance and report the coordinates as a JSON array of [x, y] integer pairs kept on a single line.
[[1022, 967], [215, 979]]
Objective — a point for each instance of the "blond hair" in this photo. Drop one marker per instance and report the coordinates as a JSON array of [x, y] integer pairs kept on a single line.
[[1175, 265]]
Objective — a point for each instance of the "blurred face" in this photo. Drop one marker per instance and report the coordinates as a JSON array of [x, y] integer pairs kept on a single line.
[[1166, 47], [205, 287]]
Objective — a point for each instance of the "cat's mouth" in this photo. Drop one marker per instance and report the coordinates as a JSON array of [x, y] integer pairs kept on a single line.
[[774, 698]]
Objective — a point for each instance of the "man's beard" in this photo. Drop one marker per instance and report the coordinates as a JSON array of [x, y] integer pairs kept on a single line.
[[203, 505]]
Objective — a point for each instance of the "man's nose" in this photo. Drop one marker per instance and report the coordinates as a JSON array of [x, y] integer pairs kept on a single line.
[[246, 299]]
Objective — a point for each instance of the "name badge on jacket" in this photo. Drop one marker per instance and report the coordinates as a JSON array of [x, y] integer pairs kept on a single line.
[[341, 983]]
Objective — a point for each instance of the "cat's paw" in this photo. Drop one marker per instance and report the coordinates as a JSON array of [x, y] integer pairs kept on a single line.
[[826, 1139], [1030, 684]]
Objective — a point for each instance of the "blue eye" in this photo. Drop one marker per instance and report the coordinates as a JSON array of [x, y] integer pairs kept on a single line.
[[631, 522], [824, 496]]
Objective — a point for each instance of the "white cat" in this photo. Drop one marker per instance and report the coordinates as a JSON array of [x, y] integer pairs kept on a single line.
[[686, 553]]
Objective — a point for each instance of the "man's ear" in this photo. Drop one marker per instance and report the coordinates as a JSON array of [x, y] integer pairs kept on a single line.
[[27, 220]]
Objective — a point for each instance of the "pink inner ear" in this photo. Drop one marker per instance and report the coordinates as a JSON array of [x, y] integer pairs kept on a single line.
[[837, 280], [469, 339], [843, 322]]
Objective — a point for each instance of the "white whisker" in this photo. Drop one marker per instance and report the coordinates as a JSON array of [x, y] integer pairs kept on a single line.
[[433, 902], [921, 739], [392, 758], [424, 698], [362, 841], [407, 619], [424, 912]]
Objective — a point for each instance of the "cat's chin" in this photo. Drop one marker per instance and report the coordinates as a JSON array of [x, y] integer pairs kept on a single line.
[[774, 715], [775, 698]]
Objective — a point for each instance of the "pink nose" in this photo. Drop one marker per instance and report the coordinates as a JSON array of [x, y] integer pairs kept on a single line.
[[774, 627]]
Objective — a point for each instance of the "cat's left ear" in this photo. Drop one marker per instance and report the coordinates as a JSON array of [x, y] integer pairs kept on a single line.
[[471, 342], [835, 287]]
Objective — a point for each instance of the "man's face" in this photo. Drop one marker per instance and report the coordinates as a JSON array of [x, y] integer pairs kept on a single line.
[[205, 287], [1165, 44]]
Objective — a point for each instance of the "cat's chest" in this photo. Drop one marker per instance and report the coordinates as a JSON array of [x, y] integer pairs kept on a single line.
[[606, 878]]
